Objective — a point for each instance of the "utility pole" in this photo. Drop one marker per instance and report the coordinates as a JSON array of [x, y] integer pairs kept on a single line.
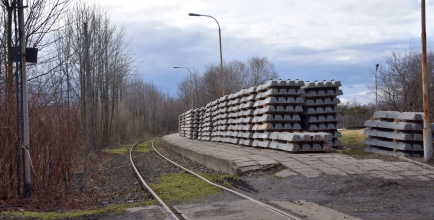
[[27, 190], [376, 87], [90, 122], [427, 133]]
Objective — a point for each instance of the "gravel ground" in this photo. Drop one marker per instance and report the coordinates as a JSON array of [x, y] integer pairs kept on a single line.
[[113, 182], [357, 195]]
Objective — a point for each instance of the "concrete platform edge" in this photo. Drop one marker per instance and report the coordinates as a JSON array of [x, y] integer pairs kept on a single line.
[[209, 161]]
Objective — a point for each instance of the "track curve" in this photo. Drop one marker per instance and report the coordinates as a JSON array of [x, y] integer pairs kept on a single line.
[[164, 206]]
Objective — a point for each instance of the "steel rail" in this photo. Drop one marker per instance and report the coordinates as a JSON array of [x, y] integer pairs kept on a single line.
[[276, 210], [164, 206]]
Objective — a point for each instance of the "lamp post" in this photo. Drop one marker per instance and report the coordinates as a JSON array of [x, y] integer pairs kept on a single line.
[[376, 87], [221, 56], [191, 96]]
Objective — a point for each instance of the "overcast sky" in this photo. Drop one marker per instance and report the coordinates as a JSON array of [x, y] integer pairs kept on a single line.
[[308, 40]]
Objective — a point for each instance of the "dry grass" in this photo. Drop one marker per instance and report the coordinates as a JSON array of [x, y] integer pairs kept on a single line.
[[353, 139]]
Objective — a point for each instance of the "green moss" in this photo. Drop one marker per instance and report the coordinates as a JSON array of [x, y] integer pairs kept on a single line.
[[118, 151], [182, 186], [145, 146], [114, 210]]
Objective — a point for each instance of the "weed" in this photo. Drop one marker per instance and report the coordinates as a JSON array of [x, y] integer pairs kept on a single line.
[[145, 146], [182, 186], [115, 210], [353, 139]]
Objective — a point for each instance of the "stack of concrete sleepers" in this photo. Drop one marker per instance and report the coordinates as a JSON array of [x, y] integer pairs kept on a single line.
[[279, 114], [245, 116], [221, 133], [214, 114], [278, 104], [206, 126], [321, 111], [232, 122], [395, 133], [300, 141], [181, 125], [189, 124], [201, 124]]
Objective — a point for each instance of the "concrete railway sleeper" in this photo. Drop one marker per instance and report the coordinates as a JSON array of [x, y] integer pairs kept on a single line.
[[173, 216]]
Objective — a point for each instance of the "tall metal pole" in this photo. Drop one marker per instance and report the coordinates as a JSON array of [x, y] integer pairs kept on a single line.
[[18, 103], [376, 88], [27, 190], [427, 133], [221, 53], [191, 93]]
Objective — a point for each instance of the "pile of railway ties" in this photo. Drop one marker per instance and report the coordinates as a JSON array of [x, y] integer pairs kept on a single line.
[[290, 115]]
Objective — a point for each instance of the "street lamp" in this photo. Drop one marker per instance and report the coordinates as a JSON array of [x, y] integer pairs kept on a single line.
[[376, 87], [191, 96], [221, 56]]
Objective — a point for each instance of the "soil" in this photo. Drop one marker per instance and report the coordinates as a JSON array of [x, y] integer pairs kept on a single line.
[[359, 196], [113, 182]]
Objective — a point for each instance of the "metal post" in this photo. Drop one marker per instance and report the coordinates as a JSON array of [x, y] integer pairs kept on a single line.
[[427, 133], [376, 88], [18, 97], [221, 53], [221, 61], [27, 190], [191, 86]]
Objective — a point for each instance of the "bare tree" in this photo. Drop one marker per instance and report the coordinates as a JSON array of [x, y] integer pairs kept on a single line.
[[400, 79], [260, 70]]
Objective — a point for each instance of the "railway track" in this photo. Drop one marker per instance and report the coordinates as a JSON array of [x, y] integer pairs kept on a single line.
[[174, 216]]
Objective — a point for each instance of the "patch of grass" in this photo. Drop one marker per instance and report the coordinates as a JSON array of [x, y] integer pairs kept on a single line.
[[119, 150], [145, 146], [355, 152], [353, 139], [182, 186], [222, 180], [115, 210]]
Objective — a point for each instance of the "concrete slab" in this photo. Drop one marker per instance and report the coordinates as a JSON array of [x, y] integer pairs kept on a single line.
[[307, 172], [235, 210], [143, 212], [312, 211], [248, 168], [394, 168], [407, 173], [426, 172], [421, 178], [385, 175], [351, 170], [285, 173], [246, 163], [235, 159], [295, 165], [266, 162], [332, 171]]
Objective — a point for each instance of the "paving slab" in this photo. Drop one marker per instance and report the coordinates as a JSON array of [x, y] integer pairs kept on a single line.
[[307, 172], [408, 173], [285, 173], [143, 212], [235, 210], [421, 178], [294, 164], [312, 211], [332, 171]]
